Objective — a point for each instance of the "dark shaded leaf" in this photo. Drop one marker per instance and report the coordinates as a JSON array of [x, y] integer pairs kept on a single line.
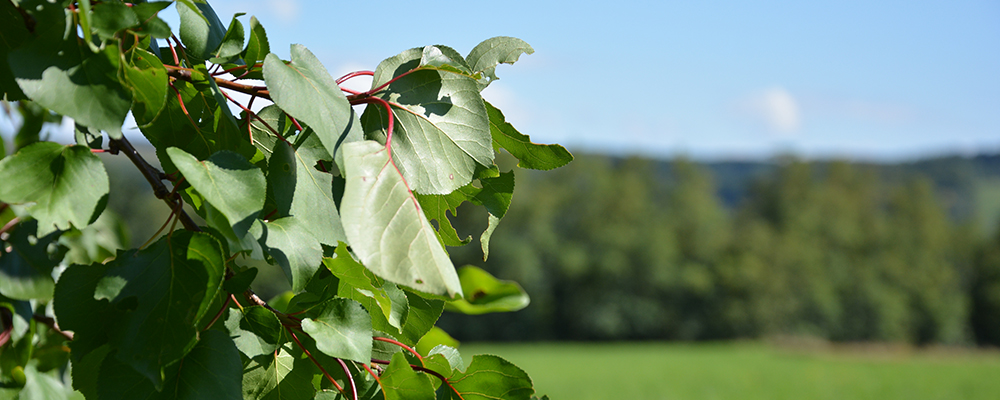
[[161, 292]]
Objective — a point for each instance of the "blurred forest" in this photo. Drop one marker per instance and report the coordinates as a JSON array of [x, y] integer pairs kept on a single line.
[[638, 249]]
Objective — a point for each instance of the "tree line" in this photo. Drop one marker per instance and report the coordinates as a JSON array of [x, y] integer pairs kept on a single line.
[[634, 249]]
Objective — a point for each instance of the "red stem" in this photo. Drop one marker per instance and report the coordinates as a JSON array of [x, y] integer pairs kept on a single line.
[[347, 372], [296, 122], [254, 115], [382, 86], [397, 343], [10, 224], [354, 74], [173, 51], [184, 108], [328, 377], [219, 314], [373, 374], [388, 111], [428, 371]]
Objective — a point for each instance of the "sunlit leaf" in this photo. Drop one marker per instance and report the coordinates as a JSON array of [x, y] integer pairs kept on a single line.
[[342, 329], [201, 29], [491, 378], [226, 180], [489, 53], [441, 130], [306, 91], [387, 229], [486, 294], [67, 184], [400, 382], [531, 155]]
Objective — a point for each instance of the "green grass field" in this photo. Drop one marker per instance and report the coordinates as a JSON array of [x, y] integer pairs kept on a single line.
[[748, 371]]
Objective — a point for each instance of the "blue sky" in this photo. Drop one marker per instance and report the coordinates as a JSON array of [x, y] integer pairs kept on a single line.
[[711, 80]]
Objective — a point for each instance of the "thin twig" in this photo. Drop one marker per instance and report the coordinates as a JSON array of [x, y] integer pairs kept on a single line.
[[51, 323], [350, 379]]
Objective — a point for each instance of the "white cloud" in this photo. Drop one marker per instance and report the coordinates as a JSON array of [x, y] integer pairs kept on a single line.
[[285, 10], [776, 108]]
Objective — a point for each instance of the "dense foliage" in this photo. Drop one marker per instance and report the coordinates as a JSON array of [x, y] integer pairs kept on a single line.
[[341, 203], [832, 250]]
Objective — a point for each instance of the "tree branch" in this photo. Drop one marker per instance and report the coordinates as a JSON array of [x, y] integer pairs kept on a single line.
[[154, 177], [184, 74]]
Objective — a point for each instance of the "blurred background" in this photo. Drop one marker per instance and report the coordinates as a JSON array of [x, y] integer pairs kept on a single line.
[[770, 199]]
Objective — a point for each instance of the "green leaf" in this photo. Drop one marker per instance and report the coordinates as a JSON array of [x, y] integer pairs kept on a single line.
[[441, 128], [436, 207], [257, 49], [495, 194], [491, 378], [531, 155], [435, 338], [26, 270], [109, 17], [117, 380], [91, 138], [304, 193], [41, 386], [487, 294], [294, 249], [358, 283], [420, 319], [306, 91], [147, 79], [399, 381], [201, 29], [386, 227], [151, 23], [65, 77], [161, 292], [77, 310], [211, 371], [85, 370], [485, 57], [342, 329], [277, 376], [67, 184], [255, 330], [228, 181], [232, 43], [240, 282]]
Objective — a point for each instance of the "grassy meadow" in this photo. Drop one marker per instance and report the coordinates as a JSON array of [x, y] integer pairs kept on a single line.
[[686, 371]]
